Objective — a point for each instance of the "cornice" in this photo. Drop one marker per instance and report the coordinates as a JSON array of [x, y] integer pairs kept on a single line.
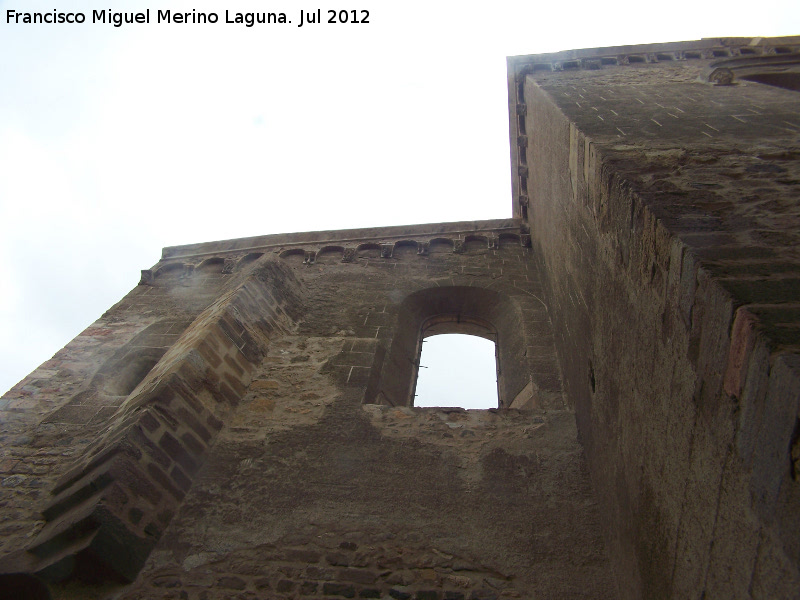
[[723, 61]]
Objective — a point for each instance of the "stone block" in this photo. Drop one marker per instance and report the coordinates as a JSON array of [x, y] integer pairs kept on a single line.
[[340, 590]]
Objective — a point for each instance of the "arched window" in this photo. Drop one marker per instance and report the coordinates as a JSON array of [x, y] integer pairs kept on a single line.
[[457, 370], [473, 311]]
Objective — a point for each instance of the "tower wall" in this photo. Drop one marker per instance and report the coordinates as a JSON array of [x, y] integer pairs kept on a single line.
[[662, 200]]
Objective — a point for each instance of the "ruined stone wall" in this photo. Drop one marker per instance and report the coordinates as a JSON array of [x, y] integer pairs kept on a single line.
[[241, 425], [273, 451], [51, 416], [665, 212], [100, 456]]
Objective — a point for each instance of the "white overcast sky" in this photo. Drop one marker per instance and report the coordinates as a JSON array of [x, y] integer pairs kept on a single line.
[[457, 370], [115, 142]]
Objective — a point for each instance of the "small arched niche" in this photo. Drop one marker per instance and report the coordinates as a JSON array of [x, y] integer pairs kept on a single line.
[[211, 266], [330, 255], [248, 260], [131, 371], [171, 270], [368, 250]]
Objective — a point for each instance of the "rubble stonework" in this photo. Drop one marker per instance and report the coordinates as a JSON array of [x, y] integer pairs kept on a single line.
[[241, 424]]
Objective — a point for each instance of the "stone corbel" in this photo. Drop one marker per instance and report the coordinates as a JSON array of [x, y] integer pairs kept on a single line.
[[721, 76], [348, 255], [387, 250], [731, 70], [147, 277]]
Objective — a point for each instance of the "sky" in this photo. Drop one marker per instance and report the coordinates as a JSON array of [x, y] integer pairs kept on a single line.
[[118, 141], [469, 382]]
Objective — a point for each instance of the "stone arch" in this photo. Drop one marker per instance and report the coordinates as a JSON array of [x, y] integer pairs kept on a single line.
[[440, 246], [211, 265], [330, 254], [294, 256], [474, 310], [368, 250], [476, 243], [509, 239], [405, 248], [130, 365], [291, 252], [171, 270], [781, 69], [132, 370], [248, 259]]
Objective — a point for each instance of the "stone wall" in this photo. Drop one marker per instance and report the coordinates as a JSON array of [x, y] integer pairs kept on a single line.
[[273, 450], [664, 211], [51, 416], [241, 425]]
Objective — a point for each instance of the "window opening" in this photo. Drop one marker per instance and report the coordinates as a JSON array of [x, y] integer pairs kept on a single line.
[[457, 370]]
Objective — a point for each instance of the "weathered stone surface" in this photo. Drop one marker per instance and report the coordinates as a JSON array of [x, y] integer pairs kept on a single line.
[[664, 213], [241, 425]]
